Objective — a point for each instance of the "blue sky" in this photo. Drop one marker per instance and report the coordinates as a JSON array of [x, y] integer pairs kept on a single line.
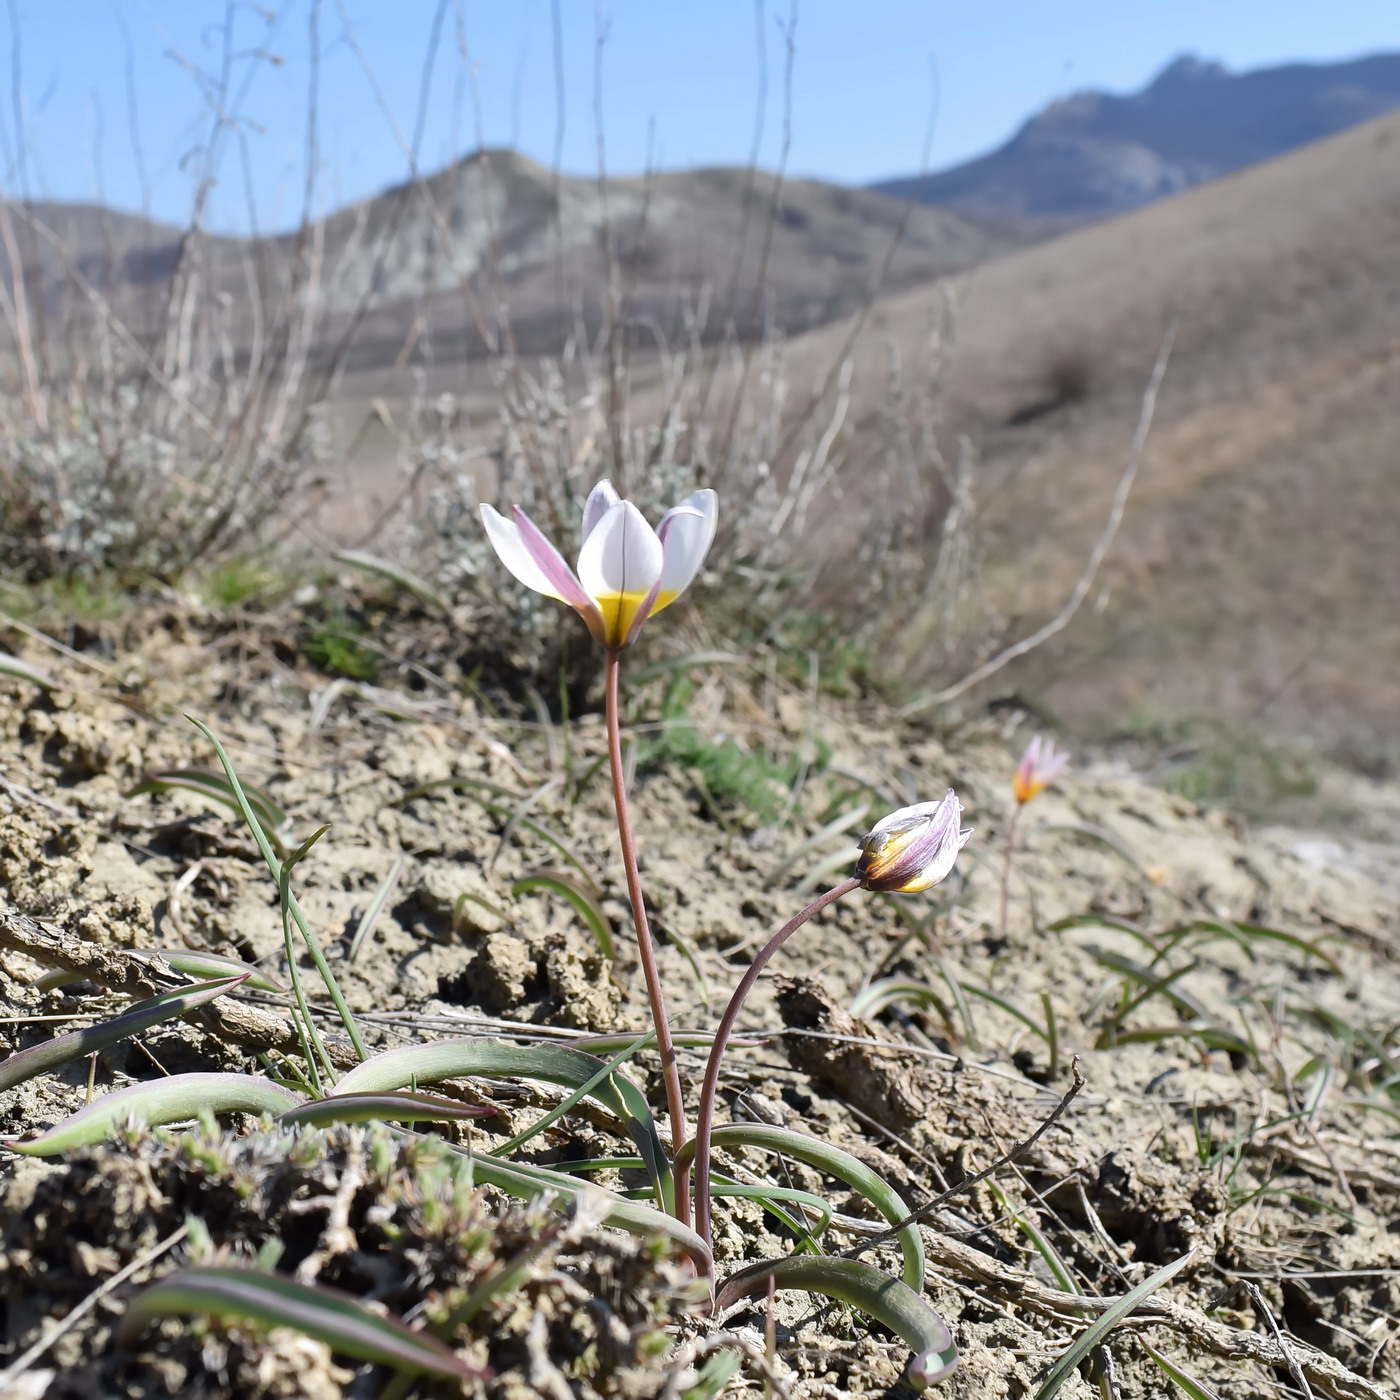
[[680, 78]]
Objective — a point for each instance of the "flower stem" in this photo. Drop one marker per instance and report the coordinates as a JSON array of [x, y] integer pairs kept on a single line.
[[1006, 864], [670, 1071], [704, 1122]]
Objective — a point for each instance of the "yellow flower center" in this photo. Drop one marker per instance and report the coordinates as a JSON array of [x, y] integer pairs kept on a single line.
[[620, 611]]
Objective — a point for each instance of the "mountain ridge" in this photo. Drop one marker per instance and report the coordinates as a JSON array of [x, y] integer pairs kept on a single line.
[[1093, 154]]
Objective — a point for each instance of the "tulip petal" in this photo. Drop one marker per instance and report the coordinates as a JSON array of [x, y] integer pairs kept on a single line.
[[537, 564], [510, 549], [913, 848], [686, 533], [619, 565], [563, 584], [600, 500]]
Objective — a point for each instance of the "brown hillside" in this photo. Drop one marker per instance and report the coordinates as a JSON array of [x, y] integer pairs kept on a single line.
[[1258, 571]]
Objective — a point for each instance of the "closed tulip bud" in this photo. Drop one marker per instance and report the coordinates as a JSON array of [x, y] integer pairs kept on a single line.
[[1040, 765], [914, 848]]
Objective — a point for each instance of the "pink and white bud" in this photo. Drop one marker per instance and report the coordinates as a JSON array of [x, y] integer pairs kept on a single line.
[[914, 848], [1040, 765]]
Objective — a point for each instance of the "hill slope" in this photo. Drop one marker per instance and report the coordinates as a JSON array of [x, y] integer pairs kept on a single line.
[[1095, 153], [489, 224], [1257, 573]]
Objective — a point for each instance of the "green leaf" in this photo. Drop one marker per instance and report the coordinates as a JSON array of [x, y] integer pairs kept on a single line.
[[174, 1099], [1095, 1334], [278, 866], [834, 1162], [1183, 1380], [885, 1299], [36, 675], [554, 1064], [270, 817], [62, 1049], [581, 899], [195, 962], [387, 1108], [887, 992], [395, 573], [529, 1183], [371, 916], [711, 1379], [343, 1323]]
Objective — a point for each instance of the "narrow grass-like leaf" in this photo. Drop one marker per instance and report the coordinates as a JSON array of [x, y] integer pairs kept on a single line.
[[1097, 834], [499, 809], [1095, 1334], [838, 826], [395, 573], [36, 675], [555, 1064], [1007, 1005], [274, 865], [604, 1071], [577, 896], [688, 953], [174, 1099], [1145, 977], [834, 1162], [371, 916], [270, 818], [530, 1182], [62, 1049], [1184, 1381], [887, 992], [343, 1323], [389, 1108], [885, 1299], [1245, 935], [196, 962]]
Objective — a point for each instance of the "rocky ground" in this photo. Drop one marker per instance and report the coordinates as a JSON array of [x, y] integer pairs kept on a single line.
[[1229, 995]]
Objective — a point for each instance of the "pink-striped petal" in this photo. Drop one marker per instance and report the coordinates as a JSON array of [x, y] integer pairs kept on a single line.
[[550, 562]]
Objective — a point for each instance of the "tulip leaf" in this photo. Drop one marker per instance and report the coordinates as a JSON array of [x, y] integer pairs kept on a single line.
[[373, 564], [1094, 1334], [528, 1182], [392, 1108], [343, 1323], [581, 899], [197, 962], [25, 671], [554, 1064], [62, 1049], [834, 1162], [174, 1099], [270, 817], [885, 1299]]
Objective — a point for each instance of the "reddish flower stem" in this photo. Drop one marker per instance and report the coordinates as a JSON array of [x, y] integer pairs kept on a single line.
[[704, 1123], [670, 1071], [1006, 863]]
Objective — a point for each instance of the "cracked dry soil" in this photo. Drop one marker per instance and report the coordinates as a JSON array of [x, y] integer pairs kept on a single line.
[[1273, 1156]]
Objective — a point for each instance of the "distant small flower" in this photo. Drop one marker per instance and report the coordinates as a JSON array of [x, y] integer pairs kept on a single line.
[[914, 848], [1040, 765], [627, 572]]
